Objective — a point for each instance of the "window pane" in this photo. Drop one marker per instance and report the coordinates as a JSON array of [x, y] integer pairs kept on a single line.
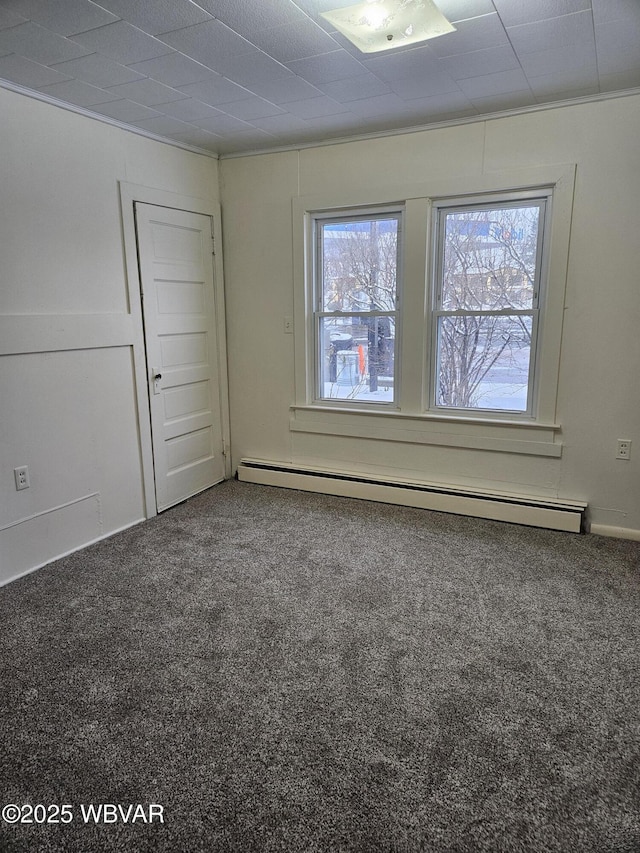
[[359, 265], [483, 362], [489, 258], [357, 358]]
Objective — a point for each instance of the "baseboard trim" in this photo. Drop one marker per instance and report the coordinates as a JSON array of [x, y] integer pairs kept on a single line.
[[548, 513], [615, 532], [48, 562]]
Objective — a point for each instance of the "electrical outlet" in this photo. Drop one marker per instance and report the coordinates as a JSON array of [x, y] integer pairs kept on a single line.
[[624, 449], [22, 477], [288, 325]]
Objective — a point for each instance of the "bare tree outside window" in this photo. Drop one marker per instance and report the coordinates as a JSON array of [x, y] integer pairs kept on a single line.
[[486, 301], [358, 259]]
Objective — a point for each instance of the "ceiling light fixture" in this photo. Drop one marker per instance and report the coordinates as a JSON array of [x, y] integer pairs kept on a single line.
[[375, 25]]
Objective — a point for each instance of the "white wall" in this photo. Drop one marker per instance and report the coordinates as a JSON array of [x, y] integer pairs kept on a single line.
[[598, 398], [67, 389]]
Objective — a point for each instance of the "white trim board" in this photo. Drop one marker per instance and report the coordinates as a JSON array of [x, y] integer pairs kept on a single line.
[[615, 532], [552, 514]]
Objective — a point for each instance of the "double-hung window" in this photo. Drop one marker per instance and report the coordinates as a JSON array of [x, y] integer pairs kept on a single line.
[[486, 290], [356, 301], [434, 315]]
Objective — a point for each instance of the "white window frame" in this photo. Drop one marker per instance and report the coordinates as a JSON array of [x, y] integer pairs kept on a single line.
[[543, 199], [319, 313], [414, 420]]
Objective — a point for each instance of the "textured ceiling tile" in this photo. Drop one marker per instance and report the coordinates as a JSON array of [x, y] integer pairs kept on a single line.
[[280, 124], [506, 101], [39, 44], [10, 19], [212, 43], [460, 10], [474, 34], [284, 89], [617, 46], [494, 84], [98, 71], [251, 108], [355, 88], [558, 59], [199, 139], [174, 69], [122, 42], [315, 107], [403, 64], [147, 92], [605, 11], [249, 17], [381, 106], [565, 81], [575, 29], [217, 91], [162, 125], [621, 80], [252, 69], [438, 105], [189, 109], [295, 41], [65, 17], [480, 62], [24, 72], [78, 93], [222, 124], [125, 111], [515, 12], [424, 86], [337, 65], [160, 16]]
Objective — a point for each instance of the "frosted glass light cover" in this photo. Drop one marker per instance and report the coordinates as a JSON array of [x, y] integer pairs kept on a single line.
[[376, 25]]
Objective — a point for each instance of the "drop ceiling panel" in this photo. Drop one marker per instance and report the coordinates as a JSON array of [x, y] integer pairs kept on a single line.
[[126, 111], [473, 34], [615, 10], [64, 18], [210, 43], [249, 17], [365, 85], [216, 91], [189, 109], [336, 65], [174, 69], [81, 94], [231, 74], [159, 16], [294, 41], [251, 108], [515, 12], [98, 71], [24, 72], [39, 44], [147, 92], [575, 29], [480, 62], [10, 19], [122, 42]]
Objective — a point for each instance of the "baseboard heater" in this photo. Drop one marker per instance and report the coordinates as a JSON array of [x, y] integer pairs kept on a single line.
[[518, 509]]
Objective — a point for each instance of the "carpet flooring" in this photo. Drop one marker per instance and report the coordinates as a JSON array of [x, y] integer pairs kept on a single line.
[[282, 671]]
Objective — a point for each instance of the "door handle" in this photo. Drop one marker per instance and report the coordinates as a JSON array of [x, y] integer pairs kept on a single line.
[[157, 376]]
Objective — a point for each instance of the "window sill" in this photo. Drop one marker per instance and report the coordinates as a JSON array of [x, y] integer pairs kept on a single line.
[[505, 436]]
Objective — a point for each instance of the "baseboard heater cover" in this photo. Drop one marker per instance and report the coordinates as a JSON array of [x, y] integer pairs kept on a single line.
[[549, 513]]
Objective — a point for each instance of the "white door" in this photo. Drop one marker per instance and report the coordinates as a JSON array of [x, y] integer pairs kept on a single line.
[[175, 250]]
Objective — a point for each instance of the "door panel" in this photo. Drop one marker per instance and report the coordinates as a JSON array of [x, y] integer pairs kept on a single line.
[[176, 273]]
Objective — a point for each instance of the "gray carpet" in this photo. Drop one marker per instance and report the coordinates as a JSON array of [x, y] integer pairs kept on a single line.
[[291, 672]]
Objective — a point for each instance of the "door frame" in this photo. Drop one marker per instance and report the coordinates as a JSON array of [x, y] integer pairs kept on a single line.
[[129, 195]]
